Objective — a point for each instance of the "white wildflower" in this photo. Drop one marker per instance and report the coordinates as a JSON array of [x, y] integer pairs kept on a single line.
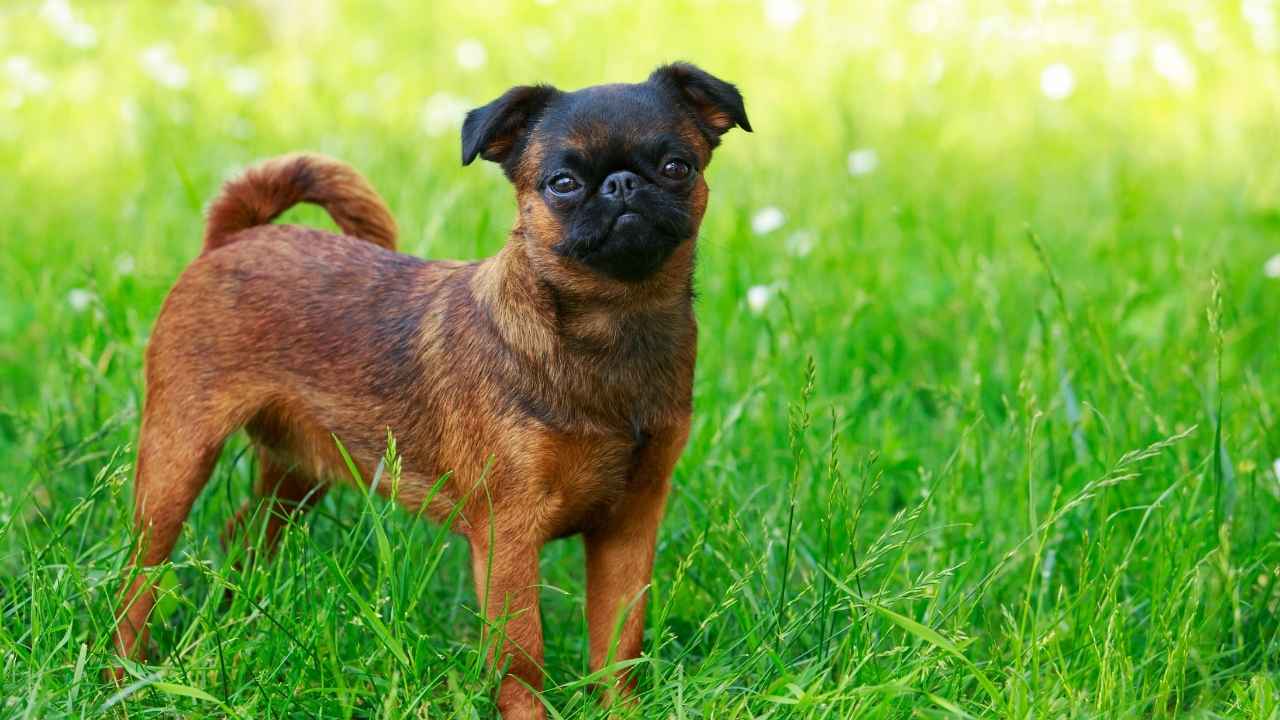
[[244, 81], [1271, 268], [1207, 37], [1173, 65], [783, 14], [892, 66], [935, 68], [800, 243], [129, 112], [366, 51], [125, 265], [159, 63], [1057, 81], [863, 161], [442, 113], [766, 220], [25, 76], [206, 18], [1261, 16], [758, 297], [1046, 567], [80, 299], [924, 17], [537, 41], [471, 55], [66, 25], [1122, 50]]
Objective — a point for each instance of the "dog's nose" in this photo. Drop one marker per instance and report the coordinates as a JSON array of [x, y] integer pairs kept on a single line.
[[620, 185]]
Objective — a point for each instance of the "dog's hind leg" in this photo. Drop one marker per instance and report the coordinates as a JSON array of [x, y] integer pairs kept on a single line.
[[287, 491], [174, 463]]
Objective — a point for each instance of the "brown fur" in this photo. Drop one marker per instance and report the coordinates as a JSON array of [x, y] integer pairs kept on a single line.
[[577, 386], [262, 193]]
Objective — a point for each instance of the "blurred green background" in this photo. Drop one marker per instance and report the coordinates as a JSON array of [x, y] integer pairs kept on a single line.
[[1016, 240], [1126, 133]]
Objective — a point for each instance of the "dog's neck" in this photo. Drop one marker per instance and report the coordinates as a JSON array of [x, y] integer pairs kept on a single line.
[[543, 311]]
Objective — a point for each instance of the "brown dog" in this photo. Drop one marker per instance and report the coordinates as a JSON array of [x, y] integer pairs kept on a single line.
[[563, 364]]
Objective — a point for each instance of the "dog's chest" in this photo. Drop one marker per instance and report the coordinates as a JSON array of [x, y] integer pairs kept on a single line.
[[587, 476]]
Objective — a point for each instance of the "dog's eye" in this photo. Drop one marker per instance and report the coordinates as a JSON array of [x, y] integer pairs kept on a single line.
[[563, 184], [676, 169]]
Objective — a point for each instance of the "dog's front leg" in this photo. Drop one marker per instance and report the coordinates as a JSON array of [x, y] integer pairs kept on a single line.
[[506, 577], [620, 556]]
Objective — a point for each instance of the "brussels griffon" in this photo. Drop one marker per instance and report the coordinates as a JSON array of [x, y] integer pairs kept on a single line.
[[550, 384]]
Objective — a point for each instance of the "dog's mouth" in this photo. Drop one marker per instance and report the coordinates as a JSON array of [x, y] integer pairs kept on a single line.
[[625, 219], [629, 247], [629, 244], [628, 227]]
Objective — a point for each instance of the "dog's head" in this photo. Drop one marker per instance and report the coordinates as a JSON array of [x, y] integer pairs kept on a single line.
[[608, 178]]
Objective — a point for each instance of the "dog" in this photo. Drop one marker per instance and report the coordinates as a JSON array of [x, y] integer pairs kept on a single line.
[[549, 385]]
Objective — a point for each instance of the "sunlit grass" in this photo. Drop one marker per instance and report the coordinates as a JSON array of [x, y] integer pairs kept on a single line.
[[1029, 248]]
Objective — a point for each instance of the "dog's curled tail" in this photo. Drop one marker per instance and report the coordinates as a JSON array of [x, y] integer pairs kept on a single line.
[[264, 191]]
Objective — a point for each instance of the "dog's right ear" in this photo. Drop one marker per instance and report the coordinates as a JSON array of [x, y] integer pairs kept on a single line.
[[497, 131]]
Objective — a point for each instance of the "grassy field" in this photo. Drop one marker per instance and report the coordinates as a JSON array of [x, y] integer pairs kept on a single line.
[[988, 401]]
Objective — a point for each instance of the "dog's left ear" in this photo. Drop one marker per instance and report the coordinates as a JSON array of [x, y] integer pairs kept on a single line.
[[498, 130], [715, 103]]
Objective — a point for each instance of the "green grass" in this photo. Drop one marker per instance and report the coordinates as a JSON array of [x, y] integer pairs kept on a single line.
[[999, 444]]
